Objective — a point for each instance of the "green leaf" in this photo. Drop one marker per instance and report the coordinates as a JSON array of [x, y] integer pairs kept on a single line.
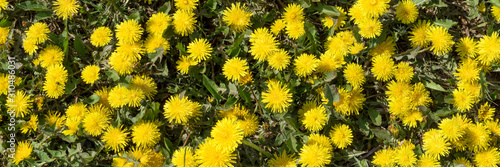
[[230, 102], [113, 75], [445, 23], [382, 134], [134, 16], [212, 87], [69, 139], [245, 95], [165, 8], [181, 48], [210, 4], [43, 15], [332, 97], [80, 48], [420, 2], [71, 85], [34, 6], [432, 85], [495, 2], [328, 10], [92, 99], [375, 116], [5, 23]]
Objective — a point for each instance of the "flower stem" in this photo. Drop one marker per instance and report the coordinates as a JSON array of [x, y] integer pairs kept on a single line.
[[248, 143]]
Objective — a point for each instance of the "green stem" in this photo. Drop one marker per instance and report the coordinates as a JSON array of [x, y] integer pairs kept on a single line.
[[248, 143]]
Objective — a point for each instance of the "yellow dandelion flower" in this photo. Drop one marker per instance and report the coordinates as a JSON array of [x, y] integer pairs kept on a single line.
[[427, 160], [184, 63], [314, 155], [403, 72], [23, 151], [51, 55], [319, 139], [128, 32], [283, 160], [487, 158], [183, 22], [398, 90], [293, 13], [374, 8], [158, 23], [103, 94], [412, 118], [370, 28], [435, 144], [149, 158], [90, 74], [386, 48], [339, 21], [4, 84], [495, 11], [180, 110], [356, 48], [468, 71], [453, 128], [184, 157], [277, 97], [384, 157], [462, 100], [330, 62], [29, 46], [96, 120], [466, 47], [101, 36], [477, 137], [404, 155], [354, 74], [486, 112], [21, 104], [37, 33], [406, 11], [145, 134], [305, 64], [295, 29], [488, 49], [420, 96], [115, 138], [4, 33], [235, 68], [188, 5], [65, 8], [121, 64], [199, 49], [118, 96], [493, 126], [249, 124], [237, 17], [341, 136], [277, 26], [3, 4], [209, 154], [31, 125], [134, 97], [76, 110], [121, 162], [349, 102], [262, 44], [463, 161], [130, 50], [279, 60], [315, 118], [441, 40], [418, 34], [145, 83], [54, 119], [153, 42], [383, 67], [357, 13], [72, 124], [227, 134]]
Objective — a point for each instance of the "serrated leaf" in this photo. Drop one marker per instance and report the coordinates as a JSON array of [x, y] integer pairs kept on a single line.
[[34, 6], [380, 133]]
